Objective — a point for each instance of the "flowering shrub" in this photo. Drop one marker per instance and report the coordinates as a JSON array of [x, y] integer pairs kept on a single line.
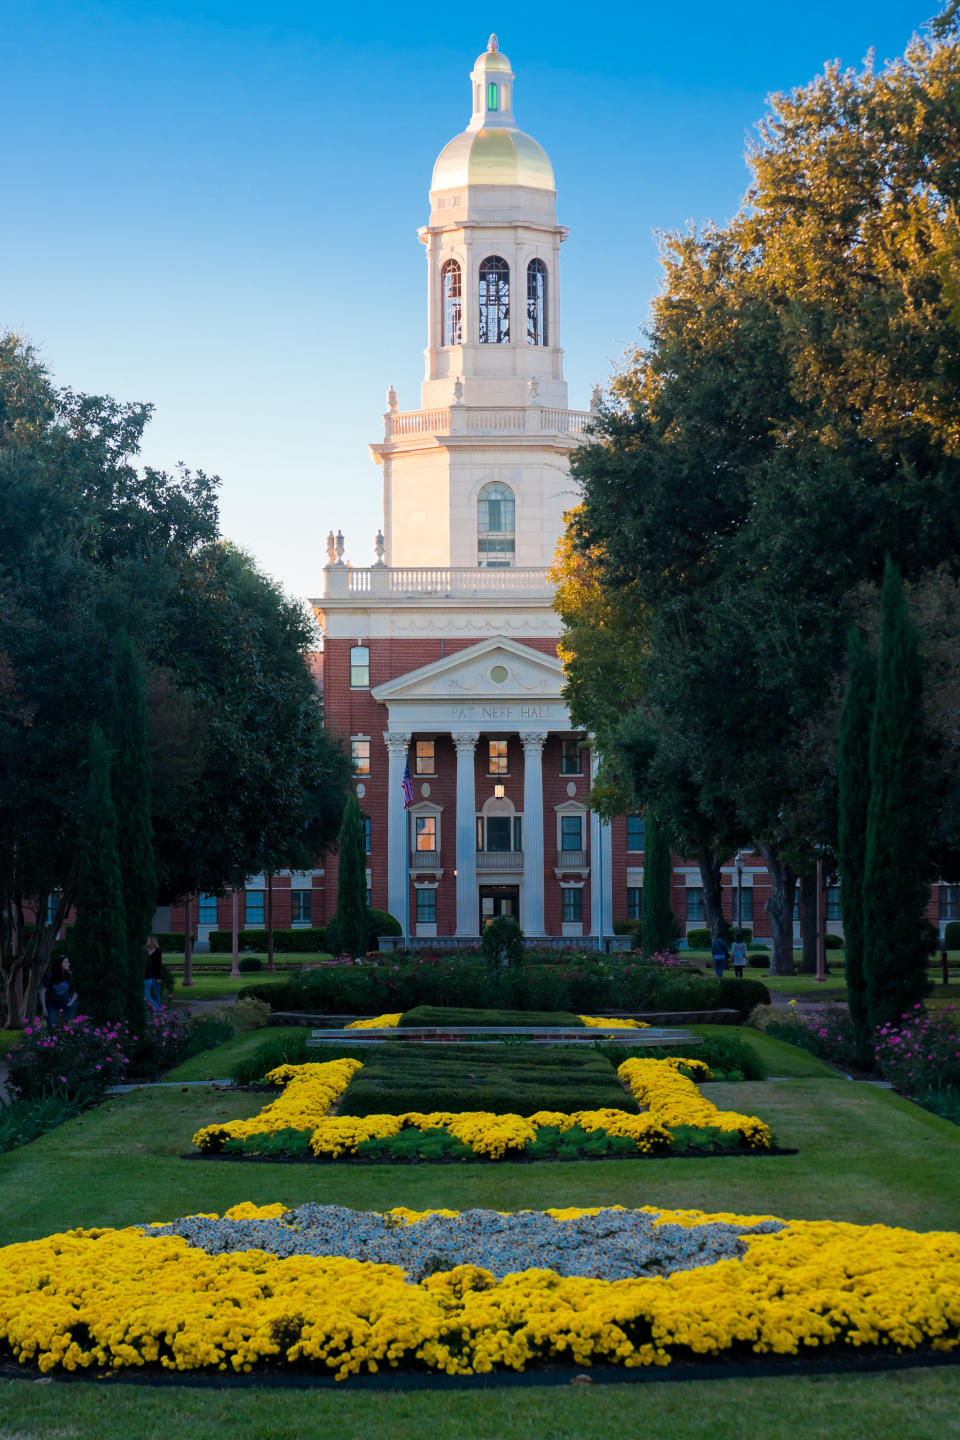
[[598, 1022], [825, 1032], [309, 1093], [921, 1053], [116, 1299], [673, 1099], [78, 1059], [377, 1022]]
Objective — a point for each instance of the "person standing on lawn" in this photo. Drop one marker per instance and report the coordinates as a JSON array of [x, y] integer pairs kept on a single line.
[[719, 952], [153, 974], [738, 955], [59, 996]]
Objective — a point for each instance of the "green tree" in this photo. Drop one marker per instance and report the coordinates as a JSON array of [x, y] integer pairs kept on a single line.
[[853, 784], [659, 926], [351, 915], [98, 951], [896, 938], [131, 788]]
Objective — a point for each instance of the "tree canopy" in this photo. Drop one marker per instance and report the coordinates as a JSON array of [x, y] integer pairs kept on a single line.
[[790, 422], [92, 543]]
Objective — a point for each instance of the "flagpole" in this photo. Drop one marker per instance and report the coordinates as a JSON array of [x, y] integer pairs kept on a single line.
[[406, 785]]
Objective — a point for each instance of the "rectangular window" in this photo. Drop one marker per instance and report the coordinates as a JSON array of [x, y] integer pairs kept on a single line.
[[479, 832], [496, 550], [254, 910], [426, 907], [359, 667], [746, 901], [426, 758], [492, 96], [52, 903], [499, 833], [518, 832], [207, 910], [301, 908], [498, 758], [360, 751], [695, 904], [572, 904], [634, 902], [570, 757], [949, 897], [365, 823], [833, 903], [571, 832], [636, 832], [426, 831]]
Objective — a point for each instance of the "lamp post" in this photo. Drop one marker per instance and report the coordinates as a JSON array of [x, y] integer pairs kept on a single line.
[[821, 974], [235, 918], [739, 864]]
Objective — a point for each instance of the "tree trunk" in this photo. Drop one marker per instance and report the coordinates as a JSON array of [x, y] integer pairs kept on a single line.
[[783, 884], [270, 961], [712, 883], [188, 944], [808, 923]]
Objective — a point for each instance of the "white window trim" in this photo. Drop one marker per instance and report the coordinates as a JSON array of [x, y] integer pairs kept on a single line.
[[573, 807], [422, 809]]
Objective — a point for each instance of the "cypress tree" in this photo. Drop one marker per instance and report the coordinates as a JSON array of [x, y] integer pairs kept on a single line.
[[99, 948], [895, 889], [131, 785], [352, 882], [853, 784], [659, 926]]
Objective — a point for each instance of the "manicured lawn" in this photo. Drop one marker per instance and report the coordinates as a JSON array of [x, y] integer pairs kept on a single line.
[[864, 1155], [919, 1404], [779, 1059], [286, 961], [218, 1064], [213, 987]]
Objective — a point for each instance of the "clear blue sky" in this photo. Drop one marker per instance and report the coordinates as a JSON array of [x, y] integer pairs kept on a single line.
[[214, 206]]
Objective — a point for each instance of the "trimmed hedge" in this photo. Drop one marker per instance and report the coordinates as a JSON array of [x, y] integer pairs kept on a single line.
[[592, 985], [436, 1015], [951, 935], [399, 1078], [832, 942], [290, 942]]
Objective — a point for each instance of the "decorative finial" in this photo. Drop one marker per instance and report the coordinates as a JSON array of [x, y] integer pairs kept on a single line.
[[458, 391], [533, 388], [596, 399], [339, 547], [379, 546], [331, 549], [391, 398], [493, 43]]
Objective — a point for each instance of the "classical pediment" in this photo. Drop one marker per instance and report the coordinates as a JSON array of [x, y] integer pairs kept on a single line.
[[500, 680]]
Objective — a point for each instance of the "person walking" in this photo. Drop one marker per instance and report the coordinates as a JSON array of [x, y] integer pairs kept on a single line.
[[153, 975], [59, 996], [719, 952], [738, 955]]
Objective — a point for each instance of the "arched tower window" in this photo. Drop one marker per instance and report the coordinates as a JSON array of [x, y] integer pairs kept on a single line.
[[496, 527], [451, 300], [494, 301], [536, 303]]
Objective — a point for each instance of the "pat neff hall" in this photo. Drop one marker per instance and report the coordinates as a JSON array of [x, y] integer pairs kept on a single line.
[[440, 656]]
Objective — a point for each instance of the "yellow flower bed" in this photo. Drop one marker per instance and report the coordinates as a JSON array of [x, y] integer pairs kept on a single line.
[[114, 1299], [312, 1090], [309, 1093], [600, 1022], [675, 1100], [376, 1022]]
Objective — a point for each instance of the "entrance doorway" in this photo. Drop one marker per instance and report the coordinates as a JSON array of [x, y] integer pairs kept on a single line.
[[498, 900]]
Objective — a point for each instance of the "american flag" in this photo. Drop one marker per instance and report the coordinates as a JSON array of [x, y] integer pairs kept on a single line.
[[406, 785]]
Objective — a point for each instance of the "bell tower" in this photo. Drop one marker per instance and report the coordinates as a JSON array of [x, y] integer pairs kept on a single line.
[[477, 477]]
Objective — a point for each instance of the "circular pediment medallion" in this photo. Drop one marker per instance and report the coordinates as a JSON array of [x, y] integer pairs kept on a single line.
[[425, 789], [498, 674], [361, 790]]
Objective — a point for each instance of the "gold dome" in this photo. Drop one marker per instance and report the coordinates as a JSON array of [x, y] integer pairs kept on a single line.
[[492, 157]]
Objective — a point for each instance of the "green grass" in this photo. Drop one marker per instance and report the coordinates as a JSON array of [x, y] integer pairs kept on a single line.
[[213, 987], [217, 1064], [865, 1155], [454, 1016], [921, 1404], [778, 1058]]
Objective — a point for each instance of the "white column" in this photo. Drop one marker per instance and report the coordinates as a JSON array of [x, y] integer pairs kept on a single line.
[[532, 914], [398, 859], [468, 907], [601, 865]]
